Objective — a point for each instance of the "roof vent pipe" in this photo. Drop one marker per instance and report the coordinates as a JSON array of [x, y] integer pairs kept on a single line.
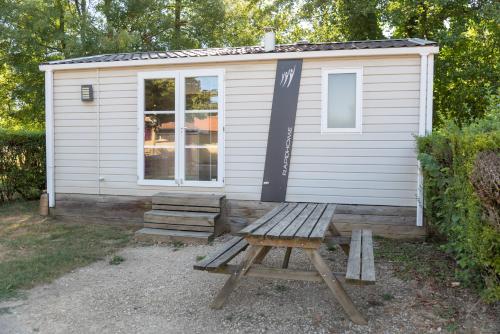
[[269, 39]]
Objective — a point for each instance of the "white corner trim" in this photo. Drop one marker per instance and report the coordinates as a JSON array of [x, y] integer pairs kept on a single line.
[[420, 50], [423, 95], [49, 136], [421, 132]]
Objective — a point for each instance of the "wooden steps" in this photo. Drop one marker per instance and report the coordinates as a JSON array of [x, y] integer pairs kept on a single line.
[[181, 218], [189, 218]]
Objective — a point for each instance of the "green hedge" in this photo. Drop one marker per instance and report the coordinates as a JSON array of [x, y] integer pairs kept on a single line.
[[453, 208], [22, 164]]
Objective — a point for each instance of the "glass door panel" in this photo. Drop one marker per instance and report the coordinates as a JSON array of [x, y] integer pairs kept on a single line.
[[201, 125], [159, 129]]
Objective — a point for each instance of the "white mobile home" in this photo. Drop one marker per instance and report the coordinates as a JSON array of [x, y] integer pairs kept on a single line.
[[123, 127]]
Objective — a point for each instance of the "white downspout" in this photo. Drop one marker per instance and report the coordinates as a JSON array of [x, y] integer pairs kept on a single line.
[[49, 135], [421, 132], [430, 83], [98, 91]]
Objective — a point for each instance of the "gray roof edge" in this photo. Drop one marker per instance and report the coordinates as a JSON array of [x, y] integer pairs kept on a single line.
[[255, 49], [421, 41]]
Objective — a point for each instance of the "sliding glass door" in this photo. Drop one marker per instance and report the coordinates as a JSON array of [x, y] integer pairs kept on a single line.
[[180, 128]]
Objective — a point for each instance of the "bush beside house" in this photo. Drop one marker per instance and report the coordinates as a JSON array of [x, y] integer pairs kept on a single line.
[[461, 197], [22, 164]]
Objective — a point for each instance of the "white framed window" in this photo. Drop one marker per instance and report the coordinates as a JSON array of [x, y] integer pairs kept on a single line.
[[180, 128], [341, 99]]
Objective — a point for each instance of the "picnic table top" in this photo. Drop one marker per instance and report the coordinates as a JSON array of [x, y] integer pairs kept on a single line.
[[292, 221]]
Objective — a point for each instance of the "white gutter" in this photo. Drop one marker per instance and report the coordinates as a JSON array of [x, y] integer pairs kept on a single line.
[[422, 50], [49, 136]]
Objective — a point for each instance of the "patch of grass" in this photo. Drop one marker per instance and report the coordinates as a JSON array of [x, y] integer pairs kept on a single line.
[[387, 296], [446, 312], [38, 249], [416, 260], [281, 288], [116, 260], [452, 327], [177, 245], [332, 248], [5, 310], [200, 257]]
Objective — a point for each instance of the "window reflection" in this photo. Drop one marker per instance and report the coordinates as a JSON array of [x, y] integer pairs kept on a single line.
[[201, 163], [202, 93], [159, 149], [201, 128], [159, 130], [159, 163], [159, 94]]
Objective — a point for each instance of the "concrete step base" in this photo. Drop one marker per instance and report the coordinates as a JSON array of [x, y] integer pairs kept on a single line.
[[169, 236]]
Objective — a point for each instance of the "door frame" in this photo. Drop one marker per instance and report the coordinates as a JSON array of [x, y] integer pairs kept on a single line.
[[179, 77]]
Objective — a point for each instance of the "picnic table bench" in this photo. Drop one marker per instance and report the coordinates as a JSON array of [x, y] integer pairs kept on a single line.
[[295, 225]]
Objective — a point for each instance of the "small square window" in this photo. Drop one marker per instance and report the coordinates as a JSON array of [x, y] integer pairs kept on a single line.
[[341, 99]]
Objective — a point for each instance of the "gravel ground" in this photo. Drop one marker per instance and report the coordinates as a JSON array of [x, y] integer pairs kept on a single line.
[[155, 290]]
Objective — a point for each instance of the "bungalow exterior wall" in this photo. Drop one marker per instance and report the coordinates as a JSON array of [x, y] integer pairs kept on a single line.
[[95, 149]]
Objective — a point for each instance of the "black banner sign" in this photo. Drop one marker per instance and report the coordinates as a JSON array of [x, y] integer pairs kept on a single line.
[[281, 129]]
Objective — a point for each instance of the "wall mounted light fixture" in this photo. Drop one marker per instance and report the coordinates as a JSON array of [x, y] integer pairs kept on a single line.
[[87, 93]]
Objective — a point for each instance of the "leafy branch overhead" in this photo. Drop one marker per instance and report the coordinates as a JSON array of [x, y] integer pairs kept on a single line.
[[34, 31]]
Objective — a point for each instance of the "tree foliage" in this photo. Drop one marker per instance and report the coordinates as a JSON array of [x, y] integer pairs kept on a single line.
[[34, 31], [468, 32]]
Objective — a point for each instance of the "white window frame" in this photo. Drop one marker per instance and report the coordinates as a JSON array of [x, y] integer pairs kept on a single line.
[[324, 99], [179, 77]]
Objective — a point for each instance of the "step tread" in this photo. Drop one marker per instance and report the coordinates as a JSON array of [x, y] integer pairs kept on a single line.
[[188, 195], [188, 214], [186, 199], [174, 233]]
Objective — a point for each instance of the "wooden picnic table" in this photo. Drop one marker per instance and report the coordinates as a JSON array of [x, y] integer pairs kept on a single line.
[[295, 225]]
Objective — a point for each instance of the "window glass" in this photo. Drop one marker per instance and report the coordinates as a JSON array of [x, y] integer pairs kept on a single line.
[[202, 93], [159, 130], [201, 163], [201, 128], [159, 145], [159, 163], [159, 94], [341, 100]]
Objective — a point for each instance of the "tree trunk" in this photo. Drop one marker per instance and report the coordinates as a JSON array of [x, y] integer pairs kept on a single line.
[[177, 25], [61, 28]]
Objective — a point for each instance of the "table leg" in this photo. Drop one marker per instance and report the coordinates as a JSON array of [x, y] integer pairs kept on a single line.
[[336, 288], [287, 257], [262, 255], [232, 281]]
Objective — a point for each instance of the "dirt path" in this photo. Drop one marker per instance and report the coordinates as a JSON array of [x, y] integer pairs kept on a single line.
[[155, 291]]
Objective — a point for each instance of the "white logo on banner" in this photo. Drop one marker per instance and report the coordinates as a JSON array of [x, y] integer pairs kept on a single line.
[[287, 77]]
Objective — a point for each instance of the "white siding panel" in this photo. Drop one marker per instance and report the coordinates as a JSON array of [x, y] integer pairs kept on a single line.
[[342, 144], [391, 78], [375, 167], [74, 116]]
